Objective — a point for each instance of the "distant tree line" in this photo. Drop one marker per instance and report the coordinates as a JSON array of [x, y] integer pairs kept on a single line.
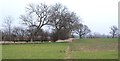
[[63, 23], [113, 34]]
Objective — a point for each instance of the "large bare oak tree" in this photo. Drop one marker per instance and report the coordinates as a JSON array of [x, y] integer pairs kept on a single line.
[[36, 17]]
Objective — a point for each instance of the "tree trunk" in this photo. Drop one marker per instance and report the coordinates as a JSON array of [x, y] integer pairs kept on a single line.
[[80, 36], [113, 36]]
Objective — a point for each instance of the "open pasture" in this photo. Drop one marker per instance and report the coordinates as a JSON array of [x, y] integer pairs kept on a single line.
[[98, 48]]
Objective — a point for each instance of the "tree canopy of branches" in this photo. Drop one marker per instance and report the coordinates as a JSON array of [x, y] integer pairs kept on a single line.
[[81, 29], [36, 17], [56, 16], [8, 27], [19, 32], [62, 21], [114, 31]]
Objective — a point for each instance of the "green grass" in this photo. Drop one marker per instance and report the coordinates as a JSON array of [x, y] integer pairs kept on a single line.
[[80, 49], [34, 51], [0, 51], [95, 49]]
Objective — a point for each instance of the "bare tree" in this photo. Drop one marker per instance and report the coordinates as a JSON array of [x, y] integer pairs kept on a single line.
[[56, 16], [62, 21], [114, 31], [19, 33], [81, 29], [0, 35], [37, 17], [8, 26]]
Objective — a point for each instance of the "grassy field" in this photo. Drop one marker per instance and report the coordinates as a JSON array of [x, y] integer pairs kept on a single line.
[[79, 49], [95, 49]]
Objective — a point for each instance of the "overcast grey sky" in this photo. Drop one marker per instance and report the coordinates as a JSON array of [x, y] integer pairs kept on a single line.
[[98, 15]]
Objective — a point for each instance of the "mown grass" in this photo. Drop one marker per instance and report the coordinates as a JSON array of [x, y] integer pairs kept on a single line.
[[80, 49], [34, 51]]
